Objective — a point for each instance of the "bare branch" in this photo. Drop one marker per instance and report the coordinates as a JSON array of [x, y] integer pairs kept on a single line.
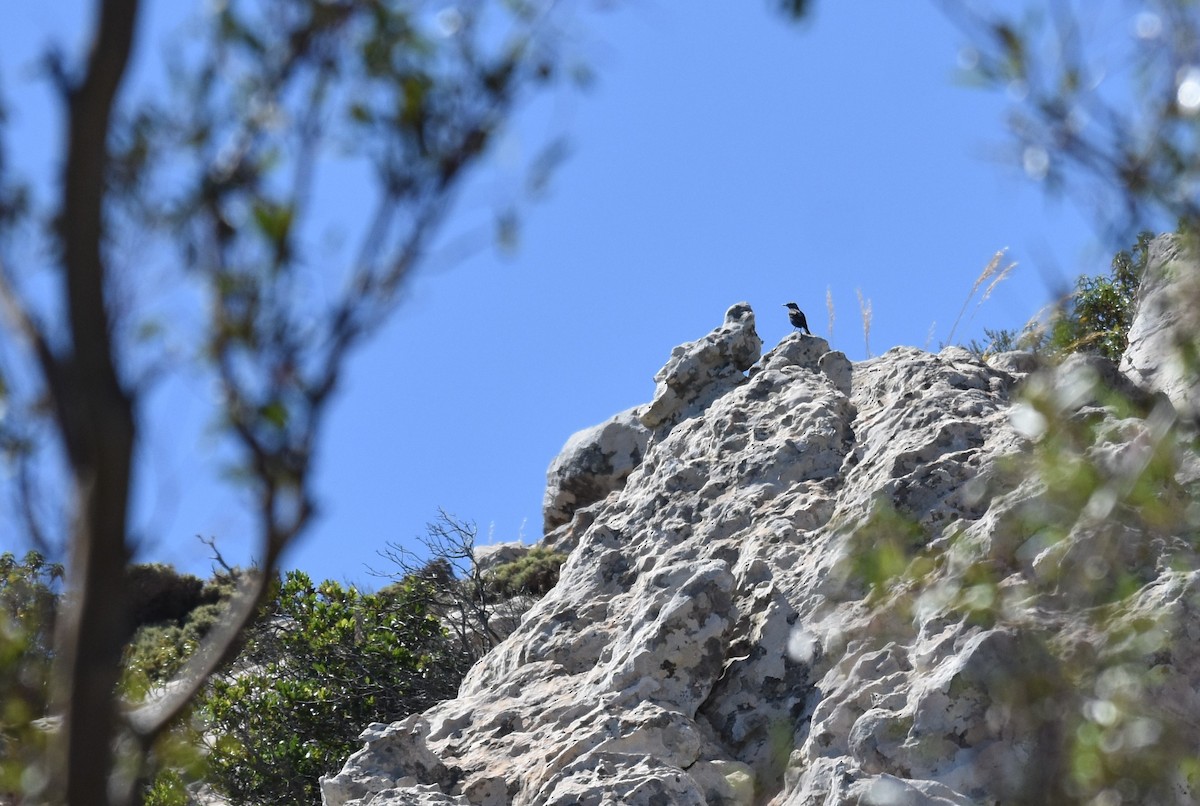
[[458, 589], [28, 503], [217, 557]]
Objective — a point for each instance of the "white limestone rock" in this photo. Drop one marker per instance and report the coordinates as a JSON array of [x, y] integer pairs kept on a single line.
[[1166, 327], [727, 628], [487, 557], [394, 766], [1014, 362], [593, 463], [700, 371]]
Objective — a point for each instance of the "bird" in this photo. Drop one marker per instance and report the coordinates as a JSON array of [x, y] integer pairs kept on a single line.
[[796, 317]]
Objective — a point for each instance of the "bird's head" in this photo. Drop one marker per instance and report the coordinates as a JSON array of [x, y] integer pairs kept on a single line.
[[793, 306]]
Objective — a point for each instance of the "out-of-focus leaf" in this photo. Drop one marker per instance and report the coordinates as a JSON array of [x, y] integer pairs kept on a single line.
[[274, 413], [274, 220], [796, 9], [546, 164]]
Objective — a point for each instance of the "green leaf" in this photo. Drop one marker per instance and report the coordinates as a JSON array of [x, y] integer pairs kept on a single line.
[[273, 220], [275, 413]]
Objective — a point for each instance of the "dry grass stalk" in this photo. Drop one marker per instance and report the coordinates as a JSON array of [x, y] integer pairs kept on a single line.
[[864, 307], [992, 272], [829, 308]]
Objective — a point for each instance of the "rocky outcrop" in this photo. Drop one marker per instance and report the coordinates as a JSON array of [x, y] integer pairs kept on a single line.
[[917, 579], [593, 463], [488, 556], [1163, 339], [701, 371]]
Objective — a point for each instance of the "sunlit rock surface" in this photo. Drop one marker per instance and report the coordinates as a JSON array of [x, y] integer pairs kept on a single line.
[[702, 370], [1166, 329], [834, 583], [594, 462]]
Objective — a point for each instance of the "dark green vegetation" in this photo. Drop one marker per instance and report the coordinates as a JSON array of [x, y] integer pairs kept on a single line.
[[326, 661], [28, 606], [171, 613], [321, 662]]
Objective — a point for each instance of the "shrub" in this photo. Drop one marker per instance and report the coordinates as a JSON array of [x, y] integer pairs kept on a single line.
[[28, 603], [158, 594], [167, 789], [534, 574], [163, 643], [1101, 308], [326, 661]]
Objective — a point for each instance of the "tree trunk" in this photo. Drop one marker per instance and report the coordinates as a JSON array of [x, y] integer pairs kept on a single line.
[[96, 418]]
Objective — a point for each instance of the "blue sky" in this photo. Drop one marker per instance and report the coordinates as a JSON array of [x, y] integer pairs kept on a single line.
[[721, 155]]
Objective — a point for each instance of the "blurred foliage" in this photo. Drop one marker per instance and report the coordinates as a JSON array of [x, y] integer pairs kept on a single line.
[[796, 9], [534, 574], [28, 604], [326, 661], [1090, 565], [880, 547], [1094, 318], [201, 235], [1104, 99], [169, 633], [167, 789]]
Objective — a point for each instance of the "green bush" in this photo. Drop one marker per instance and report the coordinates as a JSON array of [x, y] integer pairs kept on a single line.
[[160, 647], [534, 574], [28, 603], [167, 789], [1101, 308], [326, 661], [158, 594]]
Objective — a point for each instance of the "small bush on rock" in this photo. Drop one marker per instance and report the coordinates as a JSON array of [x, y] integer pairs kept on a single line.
[[534, 574]]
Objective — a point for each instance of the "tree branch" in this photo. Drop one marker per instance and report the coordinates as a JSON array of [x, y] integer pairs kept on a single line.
[[96, 420]]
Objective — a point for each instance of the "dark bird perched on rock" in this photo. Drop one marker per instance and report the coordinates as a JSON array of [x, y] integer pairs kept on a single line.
[[796, 317]]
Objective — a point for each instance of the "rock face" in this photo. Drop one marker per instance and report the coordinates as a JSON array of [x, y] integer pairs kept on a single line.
[[917, 579], [1167, 324], [703, 370], [593, 463], [488, 556]]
